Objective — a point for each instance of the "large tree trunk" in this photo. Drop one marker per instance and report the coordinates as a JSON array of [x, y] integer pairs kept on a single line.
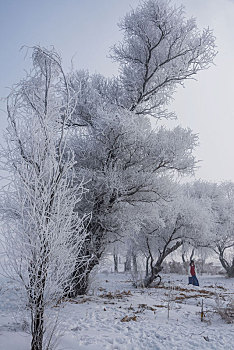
[[94, 247], [157, 267], [154, 272], [93, 250], [229, 268], [81, 278]]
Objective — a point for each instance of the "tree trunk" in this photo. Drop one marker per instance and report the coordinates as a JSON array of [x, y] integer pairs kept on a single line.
[[158, 266], [81, 279], [93, 250], [127, 265], [80, 284], [147, 266], [229, 268], [192, 254], [37, 329], [154, 272], [231, 271], [134, 263], [183, 258], [115, 262]]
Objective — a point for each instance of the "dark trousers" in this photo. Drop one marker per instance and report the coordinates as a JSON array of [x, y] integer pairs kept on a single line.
[[193, 280]]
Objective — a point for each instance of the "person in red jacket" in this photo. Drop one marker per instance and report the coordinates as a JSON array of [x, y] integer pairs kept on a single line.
[[194, 279]]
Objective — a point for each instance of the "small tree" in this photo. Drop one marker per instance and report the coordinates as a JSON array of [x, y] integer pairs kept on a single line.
[[219, 201], [44, 235], [174, 223], [223, 234]]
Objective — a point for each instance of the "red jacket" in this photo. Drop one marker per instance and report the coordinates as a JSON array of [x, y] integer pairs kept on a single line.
[[192, 270]]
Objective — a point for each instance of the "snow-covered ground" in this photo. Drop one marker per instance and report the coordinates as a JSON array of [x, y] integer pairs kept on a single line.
[[117, 316]]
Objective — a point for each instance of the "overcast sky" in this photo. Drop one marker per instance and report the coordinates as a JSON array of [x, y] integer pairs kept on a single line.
[[83, 30]]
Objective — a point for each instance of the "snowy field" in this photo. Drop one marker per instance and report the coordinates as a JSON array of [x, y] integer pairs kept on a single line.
[[117, 316]]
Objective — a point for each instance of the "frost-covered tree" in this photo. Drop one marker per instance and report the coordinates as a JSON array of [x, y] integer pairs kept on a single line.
[[113, 140], [170, 225], [160, 49], [44, 235], [219, 200], [127, 163], [224, 237]]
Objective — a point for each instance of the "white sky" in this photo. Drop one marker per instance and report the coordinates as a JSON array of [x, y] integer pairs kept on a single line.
[[206, 105], [85, 29]]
